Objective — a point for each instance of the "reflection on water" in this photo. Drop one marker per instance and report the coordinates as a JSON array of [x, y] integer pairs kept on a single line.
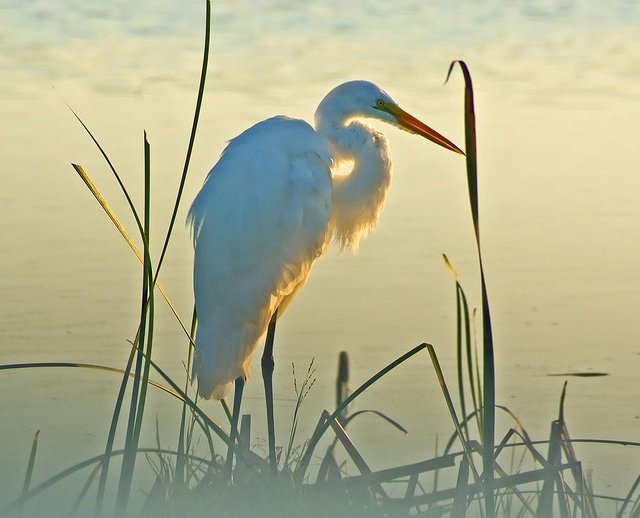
[[557, 87]]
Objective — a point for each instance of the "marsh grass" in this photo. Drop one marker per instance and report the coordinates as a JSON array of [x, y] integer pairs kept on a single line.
[[487, 475]]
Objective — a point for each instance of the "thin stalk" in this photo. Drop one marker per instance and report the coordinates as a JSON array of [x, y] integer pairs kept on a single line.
[[112, 432], [113, 170], [133, 429], [151, 300], [488, 385], [192, 138]]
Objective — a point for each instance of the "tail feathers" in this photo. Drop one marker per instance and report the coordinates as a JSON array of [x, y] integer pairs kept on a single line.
[[217, 367]]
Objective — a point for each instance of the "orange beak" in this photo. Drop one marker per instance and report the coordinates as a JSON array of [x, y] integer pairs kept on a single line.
[[409, 122]]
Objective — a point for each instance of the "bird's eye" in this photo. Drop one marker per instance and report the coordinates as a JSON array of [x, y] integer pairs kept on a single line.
[[380, 103]]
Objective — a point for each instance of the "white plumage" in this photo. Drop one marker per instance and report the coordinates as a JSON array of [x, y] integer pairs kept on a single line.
[[269, 208]]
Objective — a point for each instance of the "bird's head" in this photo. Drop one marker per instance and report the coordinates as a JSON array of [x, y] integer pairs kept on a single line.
[[357, 99]]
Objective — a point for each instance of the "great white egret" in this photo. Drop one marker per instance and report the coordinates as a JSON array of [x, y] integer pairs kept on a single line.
[[269, 208]]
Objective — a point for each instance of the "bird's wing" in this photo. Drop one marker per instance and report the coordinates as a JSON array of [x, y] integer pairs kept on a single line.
[[259, 223]]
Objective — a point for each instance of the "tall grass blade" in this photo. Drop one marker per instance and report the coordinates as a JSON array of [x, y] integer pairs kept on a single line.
[[488, 384], [113, 170], [151, 298], [138, 390], [192, 137]]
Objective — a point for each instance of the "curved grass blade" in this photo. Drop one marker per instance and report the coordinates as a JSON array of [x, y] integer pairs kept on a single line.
[[386, 418], [11, 366], [488, 384], [192, 137], [123, 232], [113, 170]]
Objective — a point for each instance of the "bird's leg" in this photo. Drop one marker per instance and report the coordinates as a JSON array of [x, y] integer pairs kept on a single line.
[[267, 375], [237, 399]]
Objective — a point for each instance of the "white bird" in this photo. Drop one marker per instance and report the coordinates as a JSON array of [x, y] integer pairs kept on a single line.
[[269, 208]]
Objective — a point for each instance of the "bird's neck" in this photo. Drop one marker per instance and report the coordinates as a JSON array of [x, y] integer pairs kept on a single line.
[[359, 196]]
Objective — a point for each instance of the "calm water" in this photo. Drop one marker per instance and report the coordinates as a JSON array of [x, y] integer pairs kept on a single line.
[[557, 87]]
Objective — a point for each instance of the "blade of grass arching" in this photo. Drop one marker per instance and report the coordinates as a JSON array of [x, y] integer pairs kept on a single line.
[[302, 466], [452, 411], [145, 326], [192, 138], [32, 365], [392, 422], [113, 170], [114, 219], [488, 383], [30, 465]]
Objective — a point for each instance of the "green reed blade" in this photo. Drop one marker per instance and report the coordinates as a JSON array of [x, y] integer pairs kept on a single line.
[[145, 333], [488, 383], [192, 137], [113, 170], [151, 298], [32, 365]]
